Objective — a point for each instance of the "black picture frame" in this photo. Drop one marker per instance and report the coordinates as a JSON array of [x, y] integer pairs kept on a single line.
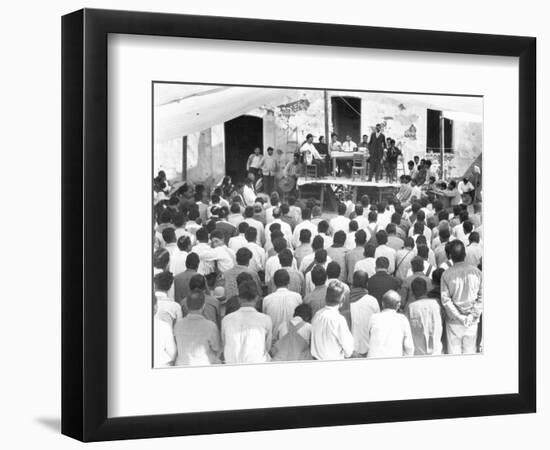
[[84, 224]]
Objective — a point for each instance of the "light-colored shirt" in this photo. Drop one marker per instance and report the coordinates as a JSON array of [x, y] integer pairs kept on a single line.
[[330, 336], [164, 345], [259, 228], [272, 265], [177, 262], [246, 336], [361, 312], [254, 161], [205, 266], [280, 307], [339, 223], [237, 242], [304, 330], [403, 260], [367, 265], [197, 340], [249, 196], [269, 165], [310, 152], [348, 146], [257, 262], [388, 252], [389, 335], [305, 225], [426, 326], [461, 292], [474, 253], [223, 256], [167, 305]]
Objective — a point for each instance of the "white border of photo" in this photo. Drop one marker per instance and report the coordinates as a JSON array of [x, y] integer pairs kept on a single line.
[[137, 389]]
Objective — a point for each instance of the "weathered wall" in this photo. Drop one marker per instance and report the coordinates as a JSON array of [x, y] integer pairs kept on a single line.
[[206, 156], [168, 157], [467, 142]]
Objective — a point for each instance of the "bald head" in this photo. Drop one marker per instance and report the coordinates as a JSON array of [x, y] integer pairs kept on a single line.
[[391, 300]]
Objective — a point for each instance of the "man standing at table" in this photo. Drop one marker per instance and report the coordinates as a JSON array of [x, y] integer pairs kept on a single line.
[[377, 145]]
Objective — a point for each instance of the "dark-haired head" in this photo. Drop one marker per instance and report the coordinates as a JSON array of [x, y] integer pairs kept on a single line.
[[360, 279], [281, 278], [163, 281], [333, 270]]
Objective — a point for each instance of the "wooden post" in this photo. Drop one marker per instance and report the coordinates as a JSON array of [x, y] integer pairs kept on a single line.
[[327, 128], [442, 143], [184, 158]]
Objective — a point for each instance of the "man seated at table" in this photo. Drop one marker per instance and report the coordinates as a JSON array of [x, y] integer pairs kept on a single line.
[[311, 156], [348, 146]]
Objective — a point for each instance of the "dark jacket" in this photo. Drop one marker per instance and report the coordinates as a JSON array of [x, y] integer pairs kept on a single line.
[[377, 145], [380, 283]]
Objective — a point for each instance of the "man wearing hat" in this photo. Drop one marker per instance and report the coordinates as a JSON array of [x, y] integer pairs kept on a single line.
[[312, 156]]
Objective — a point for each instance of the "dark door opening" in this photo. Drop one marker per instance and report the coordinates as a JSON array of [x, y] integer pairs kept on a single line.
[[242, 134], [346, 117], [433, 136]]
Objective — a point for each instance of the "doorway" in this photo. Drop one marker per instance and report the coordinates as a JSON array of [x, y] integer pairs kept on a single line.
[[346, 118], [242, 134], [433, 135]]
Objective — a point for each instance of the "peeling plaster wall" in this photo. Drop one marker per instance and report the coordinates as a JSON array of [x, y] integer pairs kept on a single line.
[[467, 142], [168, 157]]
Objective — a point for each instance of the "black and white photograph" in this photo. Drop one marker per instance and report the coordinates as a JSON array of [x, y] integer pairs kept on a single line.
[[296, 224]]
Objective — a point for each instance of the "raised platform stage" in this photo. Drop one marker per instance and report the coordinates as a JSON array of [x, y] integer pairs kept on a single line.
[[328, 189]]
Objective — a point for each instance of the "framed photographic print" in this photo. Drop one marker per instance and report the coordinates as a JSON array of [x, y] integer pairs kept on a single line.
[[273, 224]]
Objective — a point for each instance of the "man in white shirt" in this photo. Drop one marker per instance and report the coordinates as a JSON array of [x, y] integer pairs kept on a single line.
[[280, 305], [384, 250], [285, 227], [249, 219], [167, 308], [362, 307], [164, 344], [323, 231], [389, 332], [178, 259], [384, 216], [331, 338], [307, 261], [340, 222], [247, 191], [257, 262], [368, 264], [220, 254], [348, 145], [312, 156], [235, 217], [306, 224], [253, 163], [246, 333], [335, 144], [474, 251], [273, 264], [360, 218], [203, 248], [239, 241]]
